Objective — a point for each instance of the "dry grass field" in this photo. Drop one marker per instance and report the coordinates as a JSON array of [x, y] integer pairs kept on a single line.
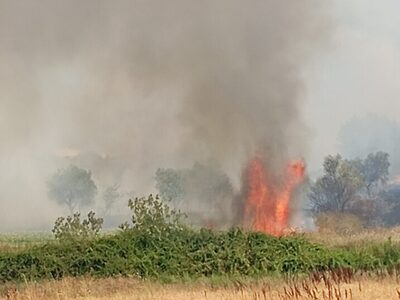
[[357, 238], [359, 287], [363, 287], [362, 238], [19, 241]]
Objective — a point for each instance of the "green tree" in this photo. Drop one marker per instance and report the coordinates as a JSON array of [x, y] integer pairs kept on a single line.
[[391, 199], [337, 188], [170, 184], [201, 181], [203, 191], [110, 196], [208, 183], [73, 187], [374, 169]]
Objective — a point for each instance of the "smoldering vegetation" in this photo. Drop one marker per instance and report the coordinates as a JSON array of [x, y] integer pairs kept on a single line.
[[144, 85]]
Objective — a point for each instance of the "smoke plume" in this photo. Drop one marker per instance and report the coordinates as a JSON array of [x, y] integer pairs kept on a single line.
[[147, 84]]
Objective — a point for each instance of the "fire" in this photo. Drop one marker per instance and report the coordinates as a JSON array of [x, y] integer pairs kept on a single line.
[[267, 203]]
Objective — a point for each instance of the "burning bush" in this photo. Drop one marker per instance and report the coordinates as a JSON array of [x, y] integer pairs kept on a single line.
[[267, 203]]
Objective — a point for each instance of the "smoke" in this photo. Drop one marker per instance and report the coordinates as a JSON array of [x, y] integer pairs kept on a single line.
[[364, 135], [151, 83]]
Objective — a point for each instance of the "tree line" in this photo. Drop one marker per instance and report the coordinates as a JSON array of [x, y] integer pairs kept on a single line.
[[360, 187]]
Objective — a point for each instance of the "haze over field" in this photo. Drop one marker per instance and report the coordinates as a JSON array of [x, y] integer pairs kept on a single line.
[[358, 77], [132, 86]]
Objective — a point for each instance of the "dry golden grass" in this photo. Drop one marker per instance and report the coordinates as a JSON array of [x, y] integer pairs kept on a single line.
[[343, 229], [364, 237], [326, 287]]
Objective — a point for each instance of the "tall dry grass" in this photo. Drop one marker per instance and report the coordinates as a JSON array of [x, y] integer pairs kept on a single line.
[[355, 239], [335, 286]]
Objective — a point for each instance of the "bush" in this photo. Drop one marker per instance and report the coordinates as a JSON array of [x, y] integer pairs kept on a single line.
[[181, 254], [157, 246], [72, 227], [189, 254], [152, 216]]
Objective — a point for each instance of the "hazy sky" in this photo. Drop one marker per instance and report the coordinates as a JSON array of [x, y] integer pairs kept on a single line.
[[358, 75]]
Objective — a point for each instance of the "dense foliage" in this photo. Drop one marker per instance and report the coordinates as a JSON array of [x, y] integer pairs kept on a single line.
[[72, 227], [337, 188], [153, 216], [157, 245], [359, 186], [185, 253]]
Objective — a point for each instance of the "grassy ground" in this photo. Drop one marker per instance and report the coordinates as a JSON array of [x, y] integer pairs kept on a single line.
[[359, 287], [21, 241], [359, 239]]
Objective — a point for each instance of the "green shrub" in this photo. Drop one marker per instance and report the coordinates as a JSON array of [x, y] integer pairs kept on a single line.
[[152, 216], [158, 246], [72, 227], [186, 253]]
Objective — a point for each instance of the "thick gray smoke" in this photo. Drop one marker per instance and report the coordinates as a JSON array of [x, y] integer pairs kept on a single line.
[[147, 84]]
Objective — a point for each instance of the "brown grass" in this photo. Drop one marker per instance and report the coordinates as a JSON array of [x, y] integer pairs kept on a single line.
[[319, 286], [364, 237]]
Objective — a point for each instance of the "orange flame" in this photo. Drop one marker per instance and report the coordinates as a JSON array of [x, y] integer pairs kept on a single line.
[[267, 204]]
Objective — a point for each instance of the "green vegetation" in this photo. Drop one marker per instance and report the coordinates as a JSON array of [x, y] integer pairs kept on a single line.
[[157, 245], [72, 227], [358, 187], [189, 254]]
